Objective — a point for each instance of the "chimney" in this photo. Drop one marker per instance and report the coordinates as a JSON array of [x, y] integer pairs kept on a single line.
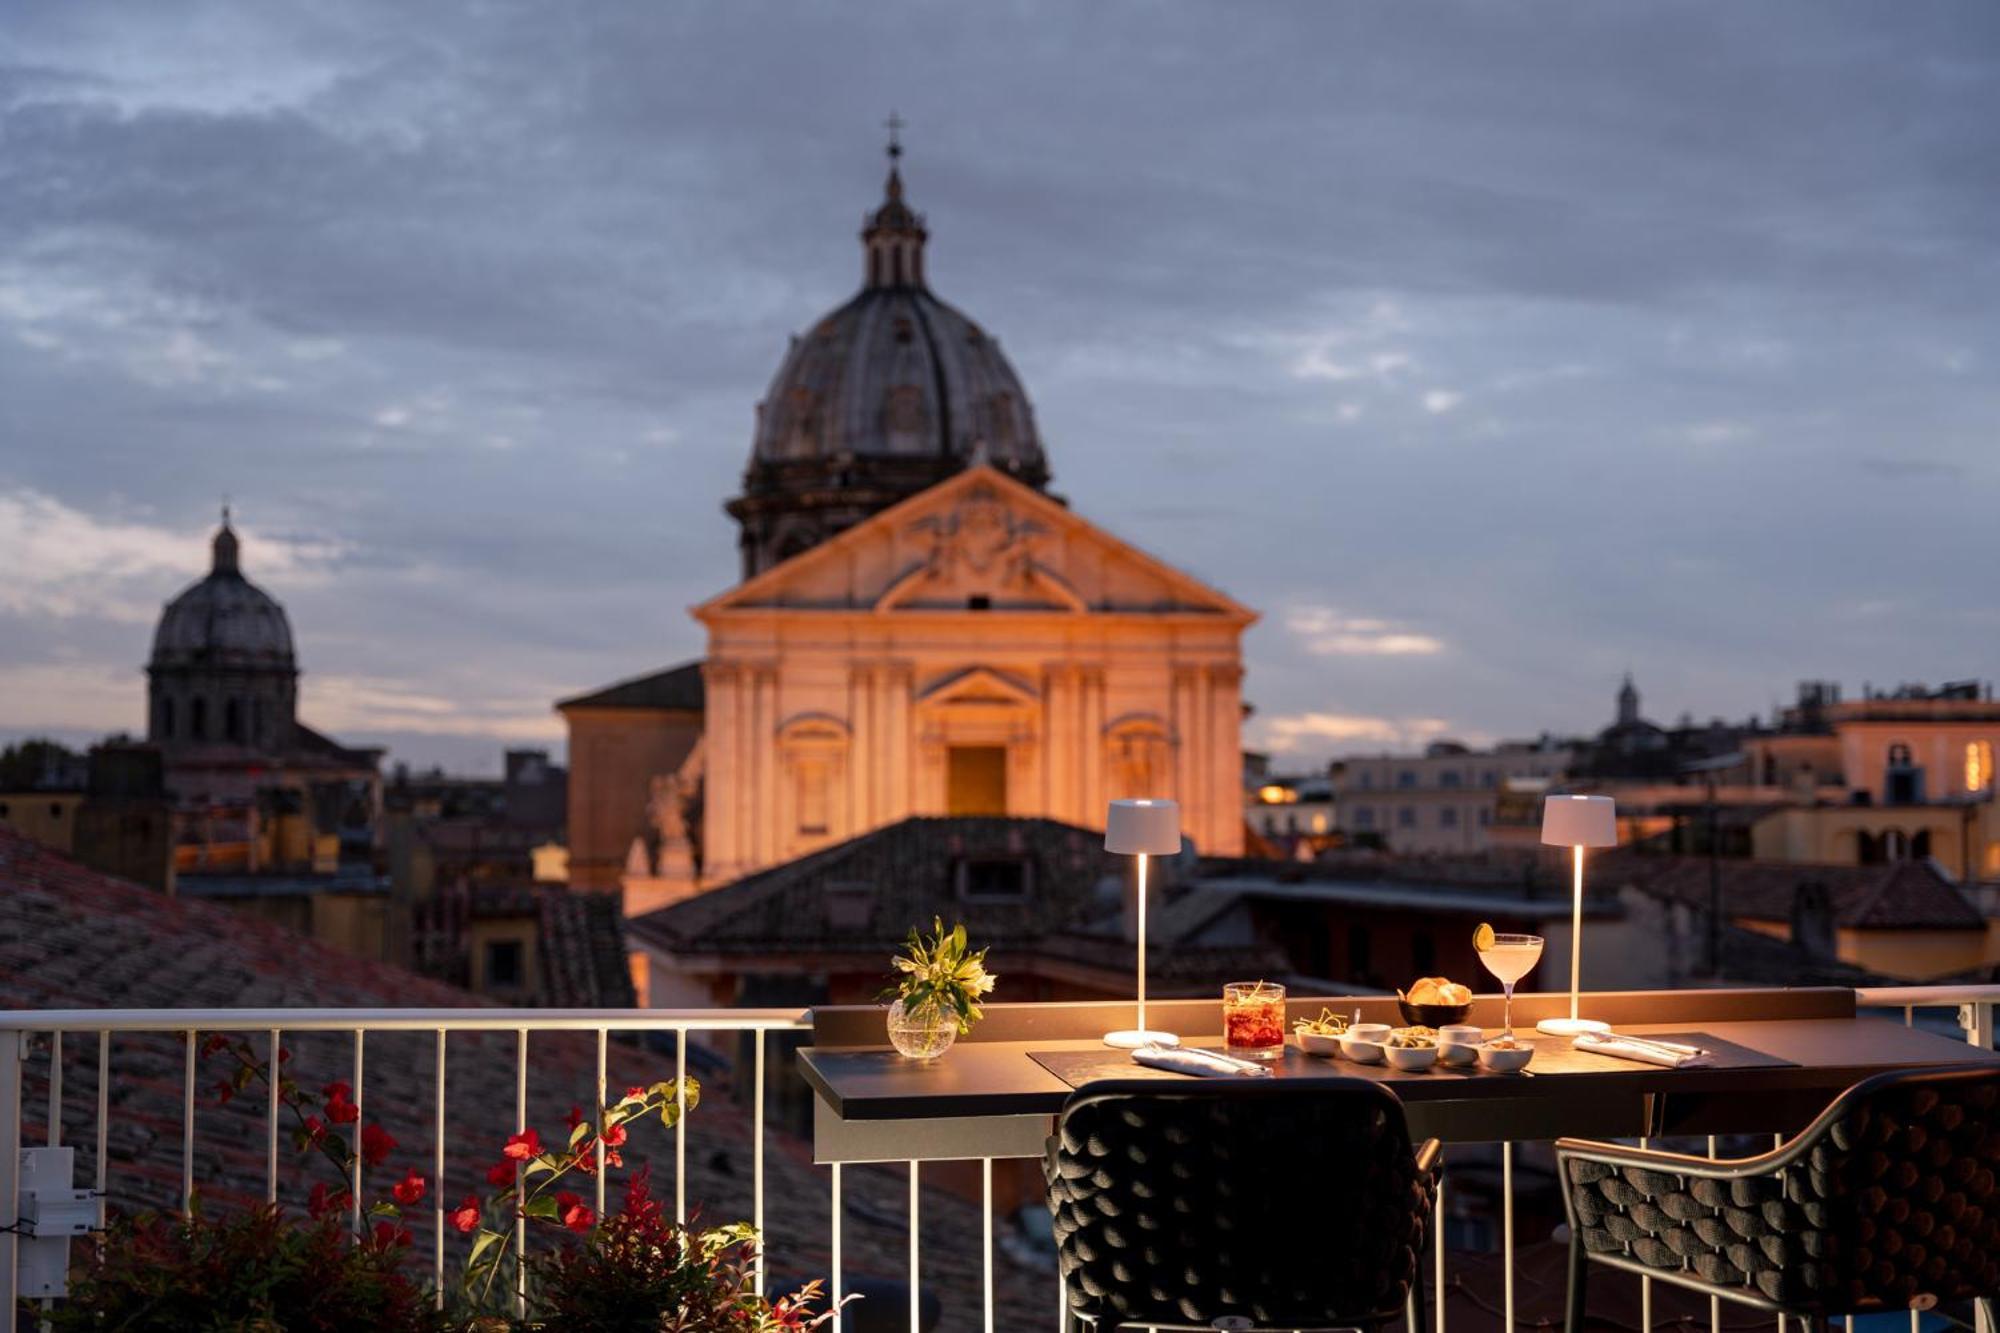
[[1812, 919]]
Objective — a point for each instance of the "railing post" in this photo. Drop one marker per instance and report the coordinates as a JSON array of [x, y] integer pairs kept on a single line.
[[1976, 1017], [13, 1049]]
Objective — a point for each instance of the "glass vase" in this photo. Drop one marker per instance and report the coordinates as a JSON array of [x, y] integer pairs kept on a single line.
[[922, 1033]]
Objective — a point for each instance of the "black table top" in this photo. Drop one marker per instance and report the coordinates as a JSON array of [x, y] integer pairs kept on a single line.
[[1804, 1058]]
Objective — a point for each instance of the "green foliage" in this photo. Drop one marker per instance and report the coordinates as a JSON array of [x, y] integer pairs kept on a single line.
[[29, 764], [245, 1273], [640, 1271], [939, 973]]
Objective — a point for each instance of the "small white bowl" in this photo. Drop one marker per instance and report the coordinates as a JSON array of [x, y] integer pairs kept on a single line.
[[1459, 1044], [1411, 1059], [1505, 1059], [1375, 1032], [1318, 1043], [1360, 1050]]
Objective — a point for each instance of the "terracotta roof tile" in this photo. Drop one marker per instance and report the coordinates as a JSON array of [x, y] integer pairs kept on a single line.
[[1906, 895], [73, 939]]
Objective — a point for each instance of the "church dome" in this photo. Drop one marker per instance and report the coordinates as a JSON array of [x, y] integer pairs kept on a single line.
[[224, 621], [881, 398]]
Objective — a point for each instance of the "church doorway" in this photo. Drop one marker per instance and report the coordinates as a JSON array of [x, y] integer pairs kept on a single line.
[[976, 780]]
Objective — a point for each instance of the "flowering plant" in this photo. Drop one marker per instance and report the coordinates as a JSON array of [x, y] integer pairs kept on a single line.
[[266, 1269], [641, 1271], [939, 974]]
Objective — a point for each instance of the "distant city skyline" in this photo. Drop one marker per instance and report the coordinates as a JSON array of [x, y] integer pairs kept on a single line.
[[1488, 360]]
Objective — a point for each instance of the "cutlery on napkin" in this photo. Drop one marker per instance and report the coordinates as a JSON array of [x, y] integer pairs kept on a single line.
[[1200, 1063], [1646, 1050]]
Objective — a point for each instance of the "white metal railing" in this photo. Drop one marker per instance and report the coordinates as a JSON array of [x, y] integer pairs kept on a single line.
[[18, 1029], [1974, 1006]]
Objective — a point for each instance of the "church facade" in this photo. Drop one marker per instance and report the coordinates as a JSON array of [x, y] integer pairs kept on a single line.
[[921, 628], [975, 650]]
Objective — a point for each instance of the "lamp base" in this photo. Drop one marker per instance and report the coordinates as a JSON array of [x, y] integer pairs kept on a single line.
[[1571, 1027], [1131, 1039]]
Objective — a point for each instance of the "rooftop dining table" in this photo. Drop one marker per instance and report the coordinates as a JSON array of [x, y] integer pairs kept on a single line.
[[1780, 1056]]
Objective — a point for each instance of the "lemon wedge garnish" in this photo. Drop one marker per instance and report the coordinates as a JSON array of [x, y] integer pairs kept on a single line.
[[1482, 938]]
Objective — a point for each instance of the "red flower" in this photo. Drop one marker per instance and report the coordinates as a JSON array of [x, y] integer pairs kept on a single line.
[[466, 1216], [376, 1144], [284, 1054], [390, 1236], [614, 1135], [315, 1129], [501, 1174], [574, 1214], [409, 1190], [324, 1201], [635, 1094], [524, 1146], [217, 1041], [340, 1107], [575, 1116], [224, 1090]]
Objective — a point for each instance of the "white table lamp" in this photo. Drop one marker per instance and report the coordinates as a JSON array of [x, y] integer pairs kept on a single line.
[[1142, 829], [1577, 822]]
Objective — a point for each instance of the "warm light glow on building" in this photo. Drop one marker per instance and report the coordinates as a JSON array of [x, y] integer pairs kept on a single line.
[[1978, 765], [1272, 793]]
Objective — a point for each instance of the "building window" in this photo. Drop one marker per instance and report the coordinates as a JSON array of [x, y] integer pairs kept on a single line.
[[1448, 816], [1406, 778], [1905, 784], [979, 601], [232, 720], [198, 719], [814, 791], [167, 719], [1485, 816], [1978, 766], [1367, 780], [1364, 816], [1319, 823], [995, 880], [1489, 779], [1449, 778], [503, 963], [1406, 817]]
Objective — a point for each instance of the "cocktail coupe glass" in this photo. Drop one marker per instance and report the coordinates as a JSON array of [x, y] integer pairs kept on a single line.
[[1509, 958]]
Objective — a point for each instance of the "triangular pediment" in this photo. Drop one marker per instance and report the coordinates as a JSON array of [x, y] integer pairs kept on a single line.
[[978, 541]]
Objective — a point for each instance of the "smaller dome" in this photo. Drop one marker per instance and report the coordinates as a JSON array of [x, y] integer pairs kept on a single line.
[[224, 621]]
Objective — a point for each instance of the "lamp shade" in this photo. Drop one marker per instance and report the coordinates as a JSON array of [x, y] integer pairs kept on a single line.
[[1149, 827], [1580, 821]]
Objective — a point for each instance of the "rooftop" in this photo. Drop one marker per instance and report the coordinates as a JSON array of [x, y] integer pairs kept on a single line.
[[677, 688]]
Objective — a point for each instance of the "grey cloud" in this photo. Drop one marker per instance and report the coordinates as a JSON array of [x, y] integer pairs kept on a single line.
[[563, 248]]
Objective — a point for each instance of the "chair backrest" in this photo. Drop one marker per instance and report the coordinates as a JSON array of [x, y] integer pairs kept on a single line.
[[1886, 1201], [1900, 1183], [1287, 1206]]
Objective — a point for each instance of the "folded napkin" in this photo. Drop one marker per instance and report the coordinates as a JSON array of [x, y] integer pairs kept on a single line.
[[1668, 1054], [1202, 1064]]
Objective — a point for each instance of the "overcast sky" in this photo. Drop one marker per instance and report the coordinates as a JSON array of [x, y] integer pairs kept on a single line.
[[1488, 351]]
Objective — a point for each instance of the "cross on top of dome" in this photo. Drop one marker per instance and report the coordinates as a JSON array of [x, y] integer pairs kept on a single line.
[[224, 549], [893, 239]]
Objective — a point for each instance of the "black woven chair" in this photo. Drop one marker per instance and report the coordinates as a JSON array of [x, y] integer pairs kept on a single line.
[[1885, 1202], [1240, 1204]]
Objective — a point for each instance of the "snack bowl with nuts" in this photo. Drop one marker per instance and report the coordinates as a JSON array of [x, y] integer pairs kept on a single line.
[[1411, 1049]]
